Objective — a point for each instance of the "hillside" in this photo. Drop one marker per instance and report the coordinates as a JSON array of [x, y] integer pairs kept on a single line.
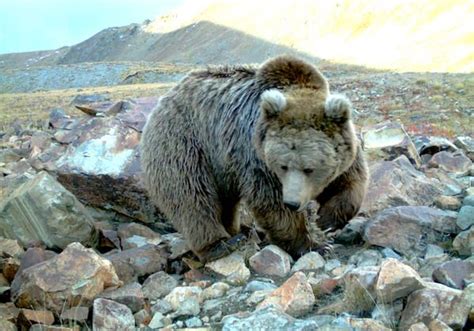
[[404, 36]]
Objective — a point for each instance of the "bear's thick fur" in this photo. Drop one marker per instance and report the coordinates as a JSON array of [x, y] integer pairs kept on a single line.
[[272, 137]]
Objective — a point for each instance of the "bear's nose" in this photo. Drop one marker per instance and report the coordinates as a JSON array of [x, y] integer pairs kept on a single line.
[[292, 205]]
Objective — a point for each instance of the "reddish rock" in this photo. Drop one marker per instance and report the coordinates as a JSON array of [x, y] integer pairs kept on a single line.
[[28, 317], [456, 163], [408, 229], [436, 301], [398, 183], [396, 280], [271, 261], [294, 297], [74, 277], [455, 273]]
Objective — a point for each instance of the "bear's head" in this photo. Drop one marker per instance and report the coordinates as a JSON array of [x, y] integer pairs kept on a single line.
[[304, 135]]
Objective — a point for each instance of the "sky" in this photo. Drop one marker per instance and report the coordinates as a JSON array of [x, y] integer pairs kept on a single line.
[[31, 25]]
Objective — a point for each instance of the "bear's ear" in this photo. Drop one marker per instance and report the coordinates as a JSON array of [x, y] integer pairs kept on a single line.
[[338, 108], [272, 102]]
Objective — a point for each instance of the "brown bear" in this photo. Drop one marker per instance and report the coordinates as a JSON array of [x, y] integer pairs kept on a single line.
[[270, 136]]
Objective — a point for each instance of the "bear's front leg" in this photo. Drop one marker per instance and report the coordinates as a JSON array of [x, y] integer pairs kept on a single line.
[[289, 230], [342, 199]]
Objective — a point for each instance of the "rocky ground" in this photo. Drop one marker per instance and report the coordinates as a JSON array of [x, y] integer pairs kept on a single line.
[[82, 247]]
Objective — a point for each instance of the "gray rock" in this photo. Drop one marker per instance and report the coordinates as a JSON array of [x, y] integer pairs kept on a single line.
[[388, 252], [455, 273], [258, 285], [185, 300], [352, 232], [391, 139], [271, 261], [467, 144], [161, 306], [468, 200], [388, 314], [138, 262], [130, 295], [193, 322], [309, 261], [398, 183], [359, 293], [433, 251], [366, 258], [465, 217], [430, 145], [456, 163], [216, 290], [331, 265], [408, 229], [436, 302], [134, 235], [268, 318], [43, 210], [158, 285], [110, 315], [464, 242]]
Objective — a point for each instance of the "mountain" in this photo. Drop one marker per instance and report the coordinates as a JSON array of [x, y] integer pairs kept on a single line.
[[401, 35]]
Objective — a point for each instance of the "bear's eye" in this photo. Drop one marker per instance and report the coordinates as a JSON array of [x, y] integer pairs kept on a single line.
[[308, 171], [284, 168]]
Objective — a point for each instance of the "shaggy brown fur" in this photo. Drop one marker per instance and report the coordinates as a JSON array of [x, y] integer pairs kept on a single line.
[[271, 137]]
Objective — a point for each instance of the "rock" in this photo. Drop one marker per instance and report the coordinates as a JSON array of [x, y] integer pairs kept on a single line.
[[433, 251], [193, 322], [437, 325], [295, 296], [10, 267], [367, 324], [268, 318], [75, 315], [398, 183], [467, 144], [161, 306], [43, 210], [28, 317], [232, 267], [7, 325], [322, 284], [430, 145], [420, 326], [42, 327], [332, 264], [33, 256], [464, 242], [158, 285], [257, 297], [258, 285], [456, 163], [159, 321], [366, 258], [271, 261], [352, 232], [185, 300], [134, 235], [138, 262], [408, 229], [142, 317], [465, 217], [10, 248], [391, 139], [396, 280], [359, 293], [309, 261], [388, 314], [447, 202], [74, 277], [388, 252], [436, 301], [8, 312], [130, 295], [98, 161], [455, 273], [468, 200], [448, 185], [176, 244], [110, 315], [216, 290], [84, 99]]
